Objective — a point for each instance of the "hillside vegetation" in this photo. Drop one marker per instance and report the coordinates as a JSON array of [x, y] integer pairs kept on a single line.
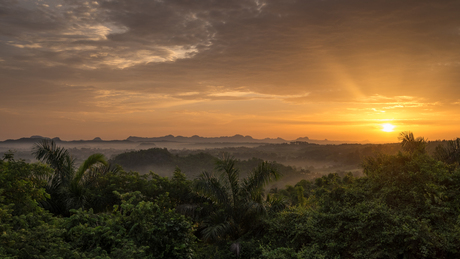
[[406, 205]]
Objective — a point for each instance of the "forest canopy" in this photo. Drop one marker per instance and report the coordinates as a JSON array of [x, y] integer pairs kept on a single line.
[[405, 205]]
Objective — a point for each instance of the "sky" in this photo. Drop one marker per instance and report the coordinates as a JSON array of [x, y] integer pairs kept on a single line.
[[323, 69]]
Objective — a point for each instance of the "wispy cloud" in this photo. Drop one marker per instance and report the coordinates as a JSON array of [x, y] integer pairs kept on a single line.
[[89, 35]]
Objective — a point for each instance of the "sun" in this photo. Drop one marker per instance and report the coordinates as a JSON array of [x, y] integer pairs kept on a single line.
[[387, 127]]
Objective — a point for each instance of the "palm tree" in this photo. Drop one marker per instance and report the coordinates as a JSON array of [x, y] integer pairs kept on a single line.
[[237, 204], [66, 185], [411, 144]]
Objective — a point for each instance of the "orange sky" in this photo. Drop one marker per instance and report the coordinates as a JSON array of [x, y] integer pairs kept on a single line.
[[330, 69]]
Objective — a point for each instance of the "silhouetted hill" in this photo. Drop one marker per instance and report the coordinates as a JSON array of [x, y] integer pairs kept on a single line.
[[197, 139], [32, 139], [163, 162]]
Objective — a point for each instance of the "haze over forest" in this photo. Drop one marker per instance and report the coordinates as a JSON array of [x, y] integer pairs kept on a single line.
[[337, 70], [298, 159]]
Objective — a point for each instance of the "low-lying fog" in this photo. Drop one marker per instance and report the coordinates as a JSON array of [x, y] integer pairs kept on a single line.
[[299, 159]]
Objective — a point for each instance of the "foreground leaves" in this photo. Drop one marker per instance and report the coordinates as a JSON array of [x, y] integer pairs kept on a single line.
[[136, 229]]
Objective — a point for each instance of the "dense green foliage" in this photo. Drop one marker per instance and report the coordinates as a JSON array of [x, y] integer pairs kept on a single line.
[[406, 205], [449, 152], [236, 204], [27, 230], [135, 229], [67, 185]]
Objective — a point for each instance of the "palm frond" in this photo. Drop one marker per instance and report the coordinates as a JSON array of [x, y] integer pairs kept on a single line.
[[277, 204], [262, 175], [57, 158], [411, 144], [218, 226], [226, 166], [47, 151], [69, 188], [76, 192], [212, 188], [87, 164], [257, 208], [68, 170], [240, 206], [75, 197]]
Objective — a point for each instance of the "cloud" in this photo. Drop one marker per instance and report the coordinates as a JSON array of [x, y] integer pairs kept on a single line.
[[249, 95], [289, 58], [269, 46], [90, 35]]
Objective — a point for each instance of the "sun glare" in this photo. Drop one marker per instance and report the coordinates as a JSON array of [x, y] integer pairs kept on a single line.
[[387, 127]]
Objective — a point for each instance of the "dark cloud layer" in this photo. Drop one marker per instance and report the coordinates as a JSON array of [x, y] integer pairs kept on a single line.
[[55, 53]]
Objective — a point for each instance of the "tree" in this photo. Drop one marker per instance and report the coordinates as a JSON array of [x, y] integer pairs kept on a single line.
[[28, 231], [411, 144], [66, 185], [135, 229], [237, 205], [449, 153], [405, 206], [21, 183]]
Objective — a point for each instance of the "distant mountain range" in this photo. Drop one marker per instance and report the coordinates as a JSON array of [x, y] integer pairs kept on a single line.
[[180, 139], [197, 139], [36, 138]]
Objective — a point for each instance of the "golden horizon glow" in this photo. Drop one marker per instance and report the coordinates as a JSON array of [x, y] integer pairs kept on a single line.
[[387, 127]]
